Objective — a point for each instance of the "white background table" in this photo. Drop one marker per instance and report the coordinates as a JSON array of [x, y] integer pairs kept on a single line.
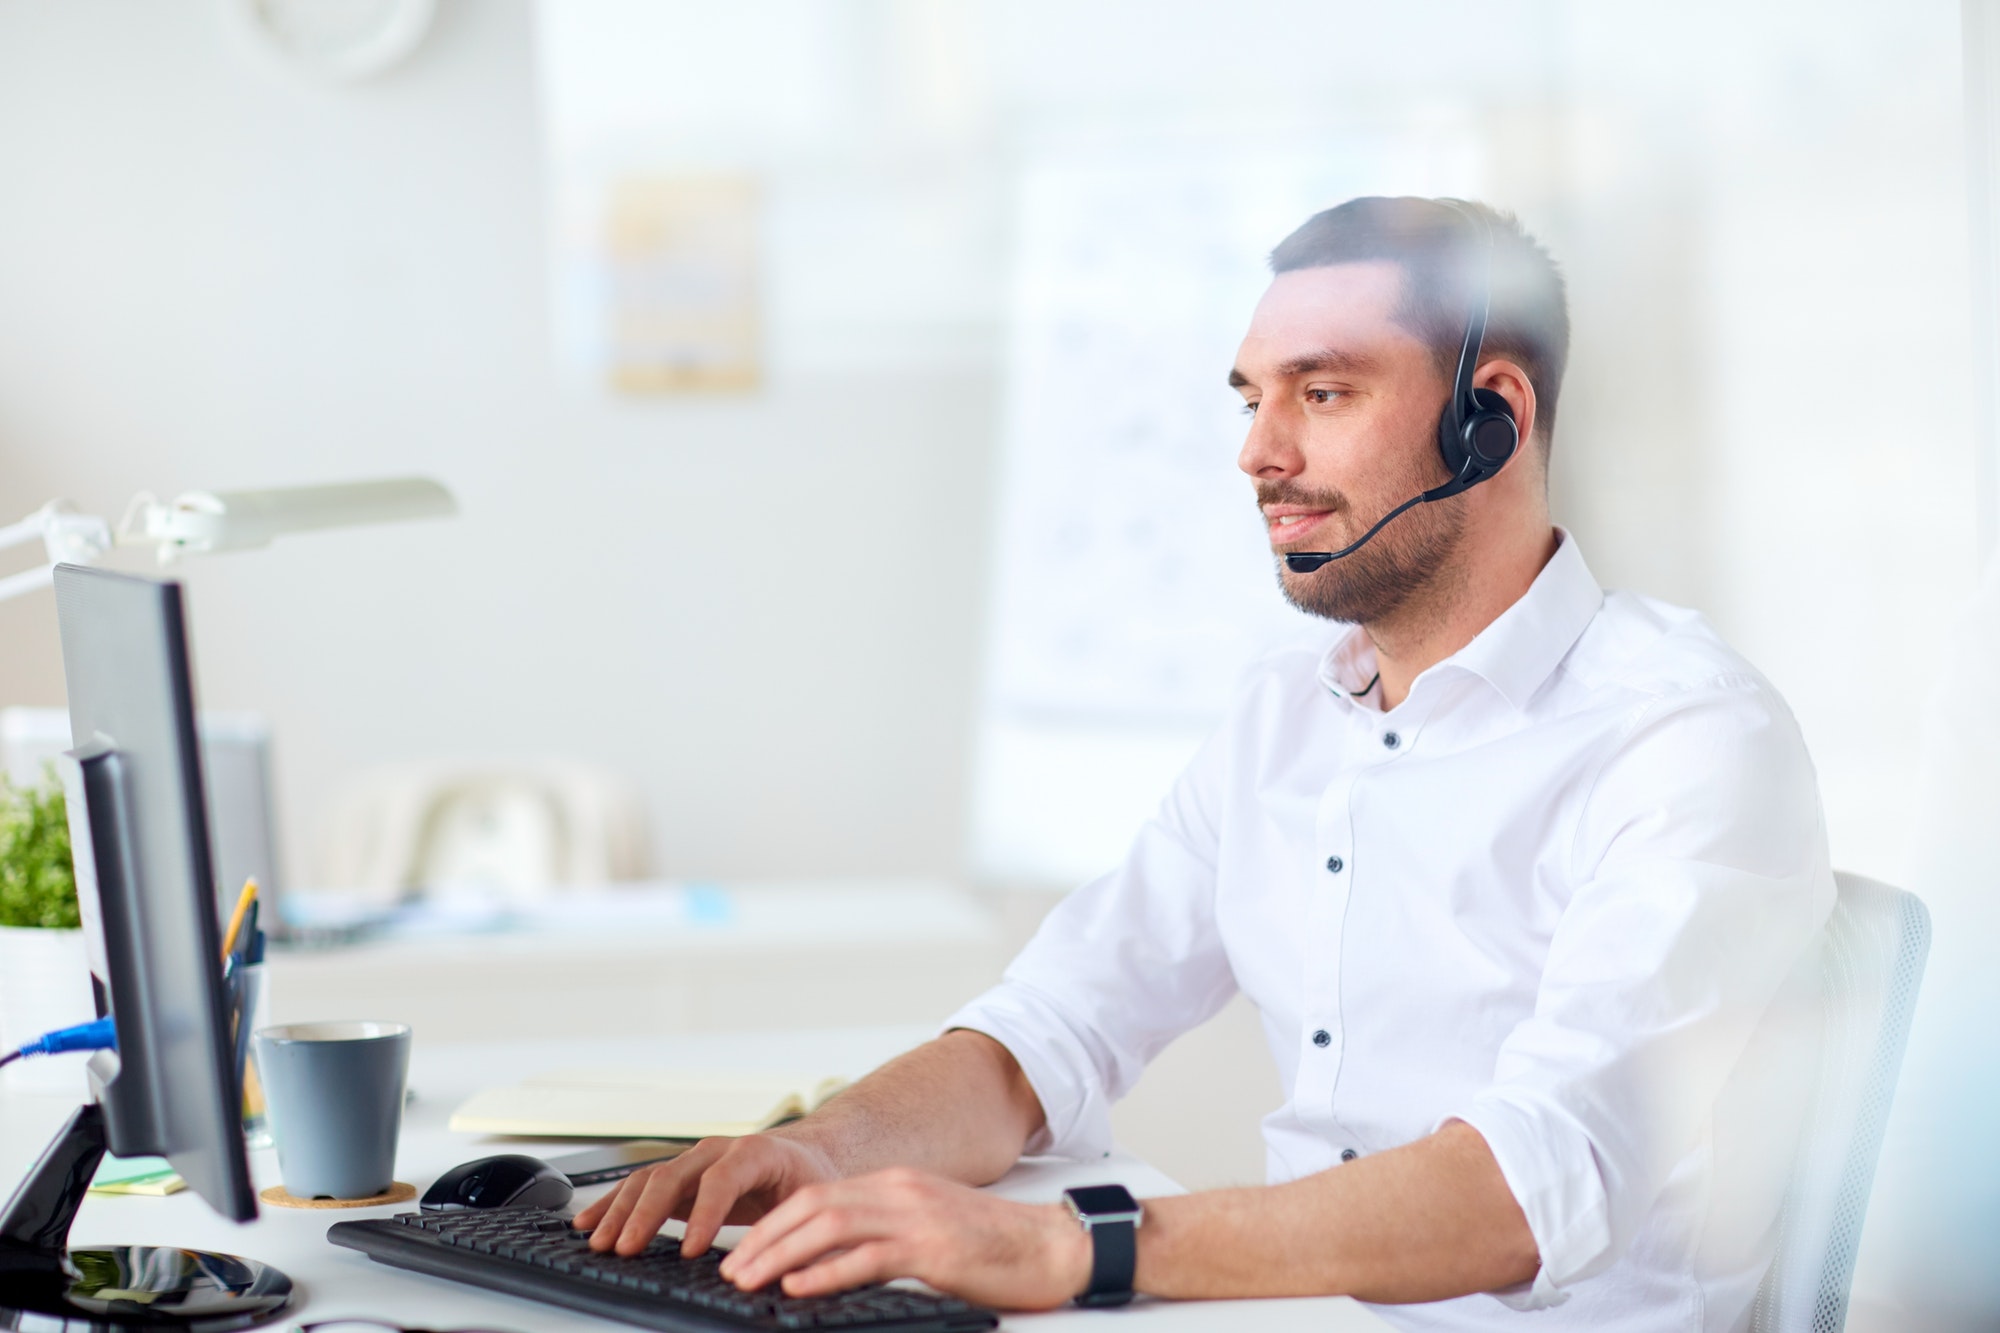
[[645, 960], [336, 1281]]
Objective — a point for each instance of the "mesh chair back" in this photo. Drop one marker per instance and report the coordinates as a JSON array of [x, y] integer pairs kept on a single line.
[[1871, 962]]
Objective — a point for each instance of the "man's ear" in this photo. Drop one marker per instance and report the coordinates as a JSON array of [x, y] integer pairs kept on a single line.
[[1511, 382], [1507, 379]]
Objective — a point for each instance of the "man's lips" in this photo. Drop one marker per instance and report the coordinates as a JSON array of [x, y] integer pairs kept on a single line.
[[1290, 523]]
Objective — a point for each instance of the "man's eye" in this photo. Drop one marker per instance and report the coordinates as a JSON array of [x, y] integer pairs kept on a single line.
[[1322, 396], [1249, 409]]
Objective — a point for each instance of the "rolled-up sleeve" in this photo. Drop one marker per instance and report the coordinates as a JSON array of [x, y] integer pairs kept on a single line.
[[1702, 873], [1118, 969]]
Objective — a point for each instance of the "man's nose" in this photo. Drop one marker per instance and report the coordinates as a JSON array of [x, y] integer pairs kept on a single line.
[[1270, 450]]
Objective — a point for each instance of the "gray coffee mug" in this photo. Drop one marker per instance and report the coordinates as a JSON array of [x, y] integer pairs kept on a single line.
[[335, 1093]]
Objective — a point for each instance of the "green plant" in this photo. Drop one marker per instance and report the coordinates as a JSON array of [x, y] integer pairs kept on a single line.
[[37, 883]]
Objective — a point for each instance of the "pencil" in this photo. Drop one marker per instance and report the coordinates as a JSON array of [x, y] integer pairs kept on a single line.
[[243, 902]]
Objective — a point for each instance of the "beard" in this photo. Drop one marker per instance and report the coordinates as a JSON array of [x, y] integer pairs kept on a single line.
[[1416, 553]]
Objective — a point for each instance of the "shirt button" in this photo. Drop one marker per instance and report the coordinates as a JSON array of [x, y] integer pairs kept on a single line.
[[1335, 864], [1322, 1038], [1391, 740], [1348, 1154]]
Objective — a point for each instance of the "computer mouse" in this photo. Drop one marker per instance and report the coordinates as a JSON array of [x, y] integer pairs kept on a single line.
[[511, 1180]]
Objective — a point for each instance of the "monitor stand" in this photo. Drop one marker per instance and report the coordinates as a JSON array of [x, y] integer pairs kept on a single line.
[[114, 1288]]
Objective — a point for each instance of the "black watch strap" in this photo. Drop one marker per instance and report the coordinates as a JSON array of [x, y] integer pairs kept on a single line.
[[1111, 1215], [1114, 1254]]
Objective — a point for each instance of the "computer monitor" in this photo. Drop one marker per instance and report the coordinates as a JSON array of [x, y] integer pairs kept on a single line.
[[172, 1087]]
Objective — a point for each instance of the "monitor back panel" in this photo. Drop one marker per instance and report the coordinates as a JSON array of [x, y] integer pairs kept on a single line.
[[126, 666]]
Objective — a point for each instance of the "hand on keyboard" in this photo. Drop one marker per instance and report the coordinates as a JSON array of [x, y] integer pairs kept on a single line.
[[817, 1233], [835, 1235], [716, 1183]]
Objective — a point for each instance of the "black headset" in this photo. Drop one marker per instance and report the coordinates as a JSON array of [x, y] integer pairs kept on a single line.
[[1476, 431]]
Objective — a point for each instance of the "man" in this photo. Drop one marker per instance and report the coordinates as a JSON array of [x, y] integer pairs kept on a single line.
[[1515, 872]]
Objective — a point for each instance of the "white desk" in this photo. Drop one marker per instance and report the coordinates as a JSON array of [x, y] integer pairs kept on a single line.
[[333, 1281]]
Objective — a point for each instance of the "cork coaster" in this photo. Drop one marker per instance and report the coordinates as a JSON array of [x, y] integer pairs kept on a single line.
[[281, 1197]]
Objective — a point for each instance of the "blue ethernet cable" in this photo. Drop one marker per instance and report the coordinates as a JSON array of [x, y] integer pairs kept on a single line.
[[102, 1034]]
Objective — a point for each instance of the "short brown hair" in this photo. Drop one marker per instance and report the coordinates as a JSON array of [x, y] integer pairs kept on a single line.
[[1431, 241]]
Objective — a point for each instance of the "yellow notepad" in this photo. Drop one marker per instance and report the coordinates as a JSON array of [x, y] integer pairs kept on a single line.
[[641, 1104]]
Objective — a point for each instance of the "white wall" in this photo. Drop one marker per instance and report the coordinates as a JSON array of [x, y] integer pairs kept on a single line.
[[1763, 213], [213, 274]]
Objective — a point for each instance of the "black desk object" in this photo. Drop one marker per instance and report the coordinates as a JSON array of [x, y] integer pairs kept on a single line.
[[537, 1254]]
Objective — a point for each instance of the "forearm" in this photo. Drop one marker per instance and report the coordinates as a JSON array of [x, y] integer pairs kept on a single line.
[[958, 1107], [1425, 1222]]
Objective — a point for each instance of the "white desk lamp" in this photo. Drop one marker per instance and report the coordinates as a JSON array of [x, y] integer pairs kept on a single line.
[[200, 522]]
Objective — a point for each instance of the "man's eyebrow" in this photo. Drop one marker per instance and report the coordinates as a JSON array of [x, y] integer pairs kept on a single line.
[[1327, 360]]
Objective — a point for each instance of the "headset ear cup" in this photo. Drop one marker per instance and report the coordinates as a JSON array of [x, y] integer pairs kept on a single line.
[[1490, 435], [1451, 444], [1479, 446]]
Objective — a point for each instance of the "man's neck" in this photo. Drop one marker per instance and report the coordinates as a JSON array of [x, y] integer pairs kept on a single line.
[[1452, 611]]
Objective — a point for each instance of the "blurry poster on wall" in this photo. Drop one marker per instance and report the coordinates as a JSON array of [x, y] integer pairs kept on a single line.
[[767, 194], [1134, 581], [679, 284]]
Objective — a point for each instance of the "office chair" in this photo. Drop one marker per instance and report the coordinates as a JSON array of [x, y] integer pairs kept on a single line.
[[1871, 963], [526, 828]]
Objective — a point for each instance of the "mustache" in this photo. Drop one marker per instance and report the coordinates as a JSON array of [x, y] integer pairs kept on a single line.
[[1291, 493]]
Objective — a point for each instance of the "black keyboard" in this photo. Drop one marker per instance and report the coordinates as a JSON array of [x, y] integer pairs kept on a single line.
[[535, 1253]]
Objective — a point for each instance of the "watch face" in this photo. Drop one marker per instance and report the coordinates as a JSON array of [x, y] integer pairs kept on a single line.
[[1095, 1200]]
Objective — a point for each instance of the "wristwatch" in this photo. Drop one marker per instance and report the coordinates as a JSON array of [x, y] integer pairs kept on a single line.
[[1111, 1215]]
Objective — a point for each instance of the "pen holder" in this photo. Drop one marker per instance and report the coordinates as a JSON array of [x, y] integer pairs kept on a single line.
[[253, 1013]]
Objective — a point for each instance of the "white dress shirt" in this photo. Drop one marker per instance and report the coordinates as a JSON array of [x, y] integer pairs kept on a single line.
[[1560, 893]]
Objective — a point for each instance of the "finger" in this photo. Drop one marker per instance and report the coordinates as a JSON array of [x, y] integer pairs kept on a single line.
[[612, 1210], [790, 1213], [587, 1218], [621, 1197], [883, 1193], [668, 1180], [595, 1212], [873, 1262], [803, 1245], [655, 1204], [720, 1189]]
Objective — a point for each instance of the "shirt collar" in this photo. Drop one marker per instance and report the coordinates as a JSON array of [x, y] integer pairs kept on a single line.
[[1515, 654], [1348, 668]]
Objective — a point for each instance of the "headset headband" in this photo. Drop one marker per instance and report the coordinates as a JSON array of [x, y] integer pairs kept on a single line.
[[1463, 403]]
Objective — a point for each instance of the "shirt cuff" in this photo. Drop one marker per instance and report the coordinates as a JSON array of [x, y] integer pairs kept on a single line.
[[1551, 1169], [1076, 1119]]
